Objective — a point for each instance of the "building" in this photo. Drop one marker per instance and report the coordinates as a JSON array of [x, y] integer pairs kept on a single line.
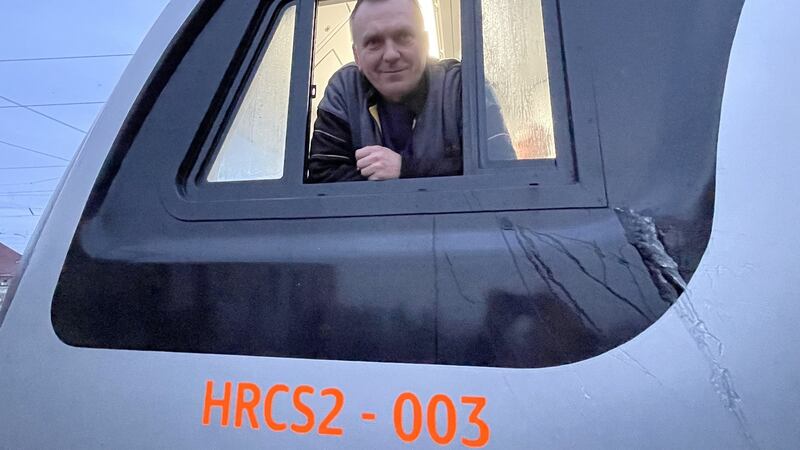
[[8, 268]]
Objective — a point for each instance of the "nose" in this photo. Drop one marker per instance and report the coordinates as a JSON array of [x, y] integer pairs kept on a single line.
[[391, 54]]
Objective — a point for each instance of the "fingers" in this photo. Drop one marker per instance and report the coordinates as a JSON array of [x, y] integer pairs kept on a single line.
[[368, 155], [370, 170], [368, 160], [368, 150], [377, 172], [381, 170], [378, 163]]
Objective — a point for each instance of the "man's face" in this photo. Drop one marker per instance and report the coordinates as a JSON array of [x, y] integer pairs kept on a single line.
[[390, 46]]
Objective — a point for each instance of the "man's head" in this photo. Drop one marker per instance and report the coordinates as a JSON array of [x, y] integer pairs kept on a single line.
[[390, 45]]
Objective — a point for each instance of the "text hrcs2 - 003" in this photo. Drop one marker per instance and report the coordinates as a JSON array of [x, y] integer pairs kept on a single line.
[[255, 406]]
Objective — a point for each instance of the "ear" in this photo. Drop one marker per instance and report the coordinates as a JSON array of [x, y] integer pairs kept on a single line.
[[355, 56], [426, 43]]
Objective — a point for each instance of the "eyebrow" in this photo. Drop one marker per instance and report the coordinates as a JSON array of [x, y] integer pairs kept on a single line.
[[367, 36], [371, 34]]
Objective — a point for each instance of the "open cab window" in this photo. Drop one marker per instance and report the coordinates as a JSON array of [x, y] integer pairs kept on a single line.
[[519, 144]]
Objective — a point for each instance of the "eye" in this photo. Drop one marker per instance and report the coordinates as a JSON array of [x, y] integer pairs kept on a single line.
[[372, 43], [405, 38]]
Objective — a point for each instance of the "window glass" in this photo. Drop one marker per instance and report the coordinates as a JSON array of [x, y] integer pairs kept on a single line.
[[332, 47], [254, 147], [515, 65]]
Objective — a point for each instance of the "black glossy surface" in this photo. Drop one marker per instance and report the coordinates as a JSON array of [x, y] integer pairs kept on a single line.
[[525, 288]]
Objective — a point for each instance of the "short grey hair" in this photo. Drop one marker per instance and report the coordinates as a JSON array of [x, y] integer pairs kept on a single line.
[[360, 2]]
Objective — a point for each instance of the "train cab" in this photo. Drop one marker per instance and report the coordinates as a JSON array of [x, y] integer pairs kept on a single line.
[[574, 281]]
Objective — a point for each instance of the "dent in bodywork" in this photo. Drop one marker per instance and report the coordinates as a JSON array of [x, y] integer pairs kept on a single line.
[[642, 233]]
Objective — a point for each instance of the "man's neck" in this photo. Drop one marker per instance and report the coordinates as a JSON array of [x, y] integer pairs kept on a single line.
[[414, 100]]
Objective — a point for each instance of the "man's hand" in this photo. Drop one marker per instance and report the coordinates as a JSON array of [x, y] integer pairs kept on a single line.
[[378, 163]]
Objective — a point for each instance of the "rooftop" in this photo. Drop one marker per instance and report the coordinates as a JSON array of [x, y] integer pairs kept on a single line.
[[8, 261]]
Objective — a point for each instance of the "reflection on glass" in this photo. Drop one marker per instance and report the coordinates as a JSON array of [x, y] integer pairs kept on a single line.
[[515, 64], [254, 146]]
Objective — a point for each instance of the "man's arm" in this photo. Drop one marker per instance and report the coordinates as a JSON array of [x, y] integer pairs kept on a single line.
[[332, 155], [379, 163]]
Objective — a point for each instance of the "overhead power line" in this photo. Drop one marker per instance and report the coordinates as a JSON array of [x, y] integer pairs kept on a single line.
[[42, 114], [20, 207], [3, 233], [56, 58], [25, 183], [33, 151], [28, 192], [50, 104], [33, 167]]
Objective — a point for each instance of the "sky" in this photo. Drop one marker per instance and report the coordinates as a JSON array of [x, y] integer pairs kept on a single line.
[[59, 62]]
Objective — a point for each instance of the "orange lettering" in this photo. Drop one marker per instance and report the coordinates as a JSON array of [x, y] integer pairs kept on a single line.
[[303, 409], [450, 432], [271, 423], [324, 427], [484, 432], [416, 417], [243, 405], [209, 402]]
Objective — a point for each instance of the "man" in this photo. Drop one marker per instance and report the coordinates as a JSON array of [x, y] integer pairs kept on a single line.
[[394, 113]]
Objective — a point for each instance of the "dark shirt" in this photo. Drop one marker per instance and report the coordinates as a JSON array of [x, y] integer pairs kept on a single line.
[[397, 127], [398, 120]]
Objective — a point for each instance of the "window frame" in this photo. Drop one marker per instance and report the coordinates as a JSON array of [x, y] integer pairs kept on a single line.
[[202, 171], [562, 167], [574, 179]]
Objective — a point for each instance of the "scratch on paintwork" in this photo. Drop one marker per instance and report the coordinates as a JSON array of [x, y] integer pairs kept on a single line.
[[514, 394], [642, 233], [472, 200], [506, 225], [581, 409], [601, 256], [522, 405], [713, 350], [615, 257], [466, 199], [629, 269], [544, 271], [718, 271], [455, 278], [557, 245], [622, 260], [635, 362], [477, 200], [586, 394]]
